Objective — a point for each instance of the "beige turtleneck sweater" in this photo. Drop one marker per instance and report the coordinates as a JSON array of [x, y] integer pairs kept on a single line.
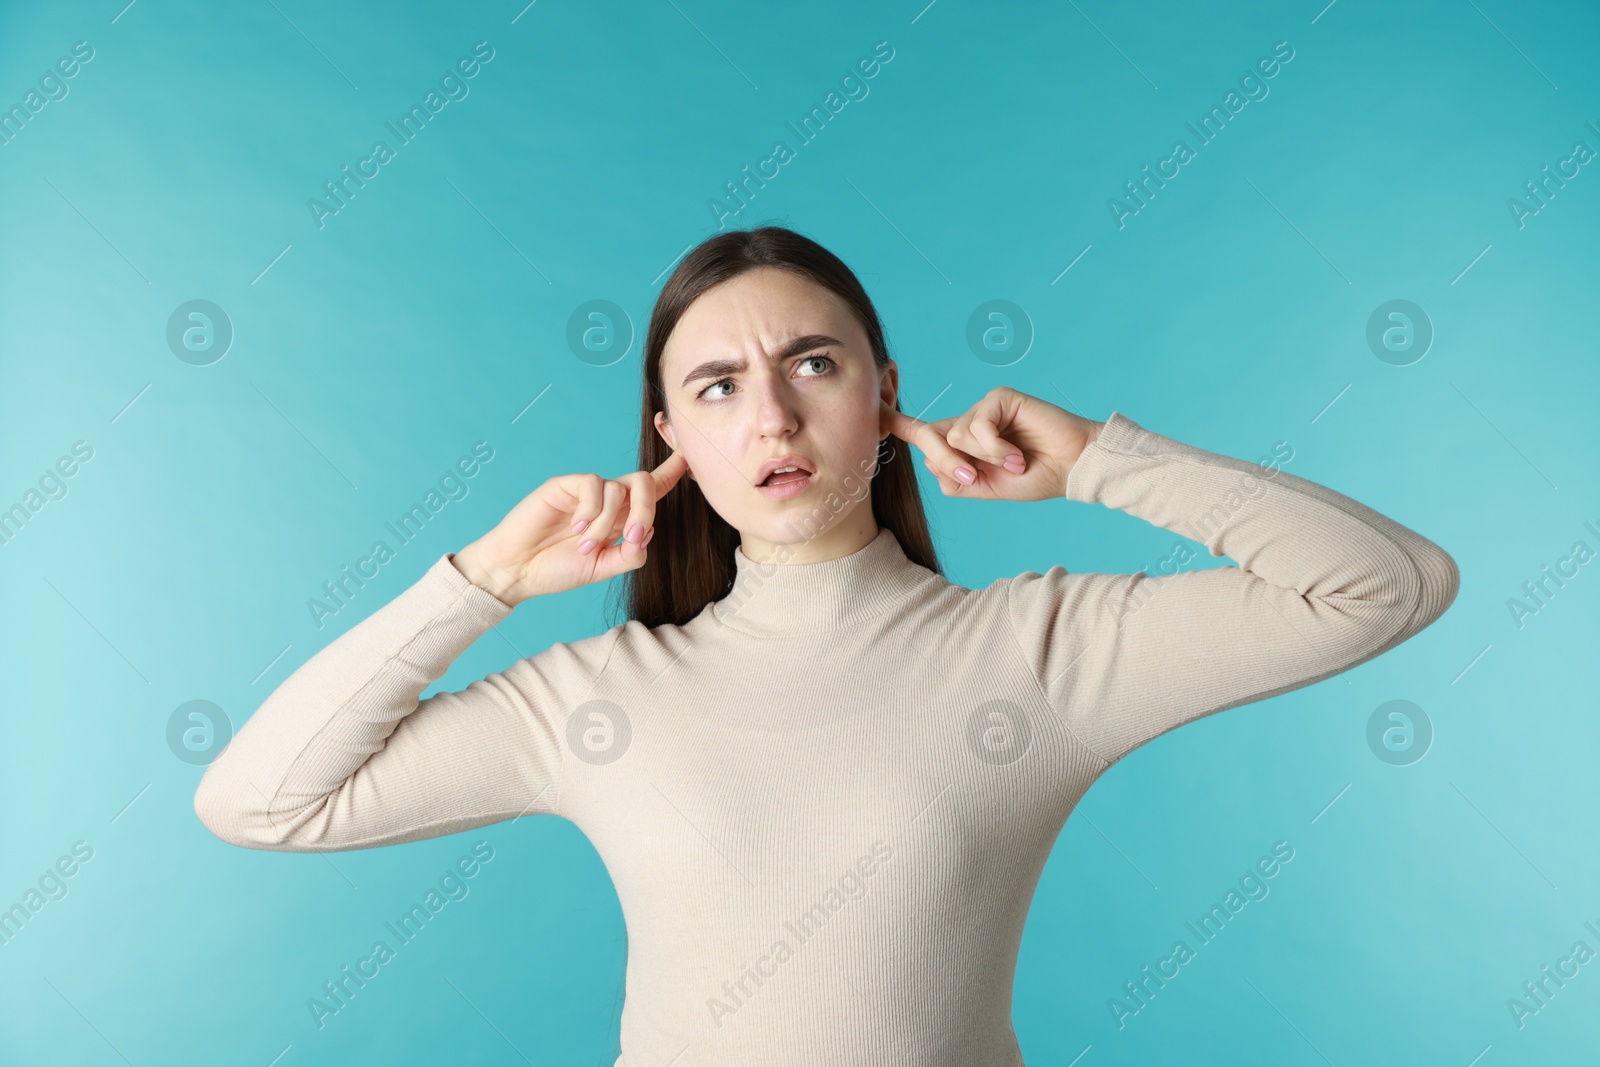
[[826, 800]]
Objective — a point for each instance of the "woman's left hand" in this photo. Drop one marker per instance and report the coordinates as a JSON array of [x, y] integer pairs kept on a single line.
[[1014, 446]]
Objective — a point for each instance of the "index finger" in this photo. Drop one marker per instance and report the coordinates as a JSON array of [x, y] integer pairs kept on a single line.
[[940, 458], [669, 472], [906, 427]]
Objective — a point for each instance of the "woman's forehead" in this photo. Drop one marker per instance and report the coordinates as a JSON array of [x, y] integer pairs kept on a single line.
[[764, 308]]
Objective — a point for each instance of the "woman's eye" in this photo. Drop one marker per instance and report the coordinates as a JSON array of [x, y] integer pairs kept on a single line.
[[827, 361]]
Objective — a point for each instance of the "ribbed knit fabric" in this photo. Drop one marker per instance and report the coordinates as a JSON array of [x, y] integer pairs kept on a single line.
[[826, 800]]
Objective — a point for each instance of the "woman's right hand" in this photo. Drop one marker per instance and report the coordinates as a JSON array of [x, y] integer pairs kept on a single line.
[[562, 535]]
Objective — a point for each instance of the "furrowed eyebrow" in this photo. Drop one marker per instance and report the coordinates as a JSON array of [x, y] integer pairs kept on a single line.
[[718, 368]]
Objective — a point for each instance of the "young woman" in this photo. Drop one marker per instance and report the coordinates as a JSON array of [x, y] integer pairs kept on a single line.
[[823, 778]]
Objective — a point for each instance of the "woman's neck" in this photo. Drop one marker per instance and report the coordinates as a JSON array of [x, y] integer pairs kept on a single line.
[[848, 534], [805, 599]]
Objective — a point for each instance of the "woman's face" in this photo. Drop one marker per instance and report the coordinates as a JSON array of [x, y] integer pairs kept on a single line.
[[762, 366]]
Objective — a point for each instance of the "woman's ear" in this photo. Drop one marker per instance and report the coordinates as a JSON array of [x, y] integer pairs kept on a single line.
[[664, 428], [888, 393]]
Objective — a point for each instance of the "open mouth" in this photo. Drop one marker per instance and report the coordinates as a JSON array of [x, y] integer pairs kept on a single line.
[[783, 484], [784, 477]]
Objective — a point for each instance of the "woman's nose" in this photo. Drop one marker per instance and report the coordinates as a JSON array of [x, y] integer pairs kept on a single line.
[[776, 410]]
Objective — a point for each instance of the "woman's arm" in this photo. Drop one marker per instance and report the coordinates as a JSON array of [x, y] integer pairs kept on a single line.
[[1323, 583], [343, 756]]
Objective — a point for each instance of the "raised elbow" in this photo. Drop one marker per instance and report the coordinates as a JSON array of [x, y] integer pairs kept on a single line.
[[1438, 580], [219, 808], [1402, 589], [1441, 581], [1435, 581], [214, 809]]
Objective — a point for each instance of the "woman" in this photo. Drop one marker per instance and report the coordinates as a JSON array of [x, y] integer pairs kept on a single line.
[[823, 778]]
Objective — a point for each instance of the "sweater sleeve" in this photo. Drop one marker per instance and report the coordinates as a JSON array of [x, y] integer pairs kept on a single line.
[[342, 755], [1323, 584]]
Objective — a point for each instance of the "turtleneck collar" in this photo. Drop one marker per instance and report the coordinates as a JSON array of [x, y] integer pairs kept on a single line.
[[771, 600]]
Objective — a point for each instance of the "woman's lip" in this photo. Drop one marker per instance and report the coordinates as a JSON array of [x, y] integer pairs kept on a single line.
[[792, 459], [787, 489]]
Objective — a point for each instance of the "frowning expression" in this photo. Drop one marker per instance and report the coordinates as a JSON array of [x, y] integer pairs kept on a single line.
[[766, 369]]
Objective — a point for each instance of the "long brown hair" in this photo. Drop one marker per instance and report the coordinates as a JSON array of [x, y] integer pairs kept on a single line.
[[691, 560]]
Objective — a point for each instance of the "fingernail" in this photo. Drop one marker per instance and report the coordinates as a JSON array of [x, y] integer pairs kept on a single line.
[[584, 548], [634, 532], [1015, 464], [578, 526], [647, 537], [964, 476]]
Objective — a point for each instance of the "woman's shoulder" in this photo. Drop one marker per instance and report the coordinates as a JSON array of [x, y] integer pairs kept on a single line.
[[636, 645], [1002, 598], [938, 598]]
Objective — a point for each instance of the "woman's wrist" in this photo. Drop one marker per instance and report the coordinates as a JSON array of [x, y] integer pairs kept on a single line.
[[1091, 435], [498, 582]]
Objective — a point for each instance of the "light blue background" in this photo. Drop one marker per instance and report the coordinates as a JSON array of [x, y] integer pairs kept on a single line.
[[1229, 313]]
